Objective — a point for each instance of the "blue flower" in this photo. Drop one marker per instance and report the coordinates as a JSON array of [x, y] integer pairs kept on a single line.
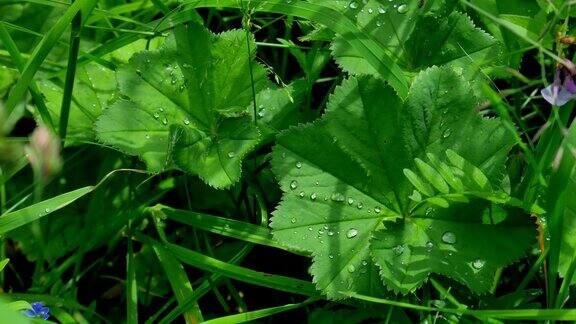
[[38, 311], [563, 89]]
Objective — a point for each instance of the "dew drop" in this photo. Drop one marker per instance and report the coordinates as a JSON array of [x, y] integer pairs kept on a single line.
[[231, 154], [449, 238], [429, 246], [364, 262], [381, 10], [47, 210], [298, 165], [147, 136], [313, 196], [337, 197], [320, 232], [301, 194], [325, 227], [261, 113], [447, 133], [377, 210], [156, 115], [398, 249], [360, 205], [478, 264], [331, 256], [353, 5], [317, 182], [164, 121], [350, 201], [310, 228], [402, 9], [293, 184], [186, 121], [293, 220], [351, 233], [370, 10], [330, 233], [351, 268]]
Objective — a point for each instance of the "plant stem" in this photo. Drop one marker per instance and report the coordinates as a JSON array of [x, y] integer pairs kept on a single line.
[[70, 75]]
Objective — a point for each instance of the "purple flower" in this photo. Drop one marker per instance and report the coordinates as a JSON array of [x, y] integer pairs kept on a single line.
[[38, 311], [563, 89]]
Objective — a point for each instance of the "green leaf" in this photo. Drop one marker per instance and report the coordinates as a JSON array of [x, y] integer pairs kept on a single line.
[[187, 105], [344, 185], [93, 89], [328, 13], [416, 36], [457, 242]]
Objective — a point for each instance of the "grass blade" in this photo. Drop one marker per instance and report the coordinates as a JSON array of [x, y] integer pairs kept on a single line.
[[178, 281], [261, 313], [223, 226], [276, 282], [131, 286], [70, 74], [19, 63], [31, 213], [42, 50]]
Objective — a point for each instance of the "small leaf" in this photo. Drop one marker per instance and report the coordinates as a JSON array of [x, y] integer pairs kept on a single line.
[[418, 183], [432, 176], [187, 105]]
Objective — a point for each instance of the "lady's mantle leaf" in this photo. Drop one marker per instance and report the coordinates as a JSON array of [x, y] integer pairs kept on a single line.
[[93, 89], [345, 188], [417, 36], [467, 242], [186, 105]]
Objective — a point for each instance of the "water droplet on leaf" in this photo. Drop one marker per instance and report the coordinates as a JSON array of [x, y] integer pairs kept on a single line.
[[478, 264], [402, 9], [313, 196], [298, 165], [449, 238], [398, 249], [353, 5], [337, 197], [293, 184], [351, 268], [231, 154], [351, 233]]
